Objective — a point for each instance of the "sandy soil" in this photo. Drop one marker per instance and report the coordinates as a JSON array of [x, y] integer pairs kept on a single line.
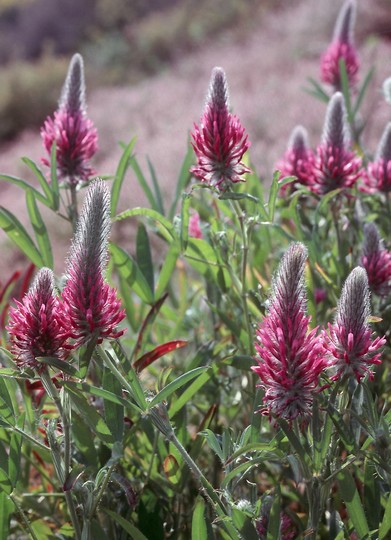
[[266, 70]]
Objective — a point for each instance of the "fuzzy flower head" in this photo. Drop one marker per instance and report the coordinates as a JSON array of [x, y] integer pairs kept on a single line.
[[336, 165], [73, 133], [194, 226], [219, 141], [35, 324], [299, 159], [91, 307], [341, 48], [351, 348], [376, 260], [290, 359], [378, 177]]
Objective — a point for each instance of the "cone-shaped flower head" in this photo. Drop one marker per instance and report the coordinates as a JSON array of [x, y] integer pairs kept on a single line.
[[378, 177], [336, 165], [299, 159], [290, 359], [219, 141], [74, 134], [35, 324], [376, 260], [341, 48], [351, 347], [91, 307]]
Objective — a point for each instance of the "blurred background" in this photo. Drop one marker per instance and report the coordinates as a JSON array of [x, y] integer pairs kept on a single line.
[[148, 65]]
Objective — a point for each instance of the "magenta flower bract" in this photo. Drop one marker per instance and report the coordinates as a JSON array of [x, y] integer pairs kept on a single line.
[[35, 325], [336, 165], [219, 141], [91, 307], [298, 160], [74, 134], [350, 345], [194, 226], [341, 47], [290, 359], [376, 260], [378, 177]]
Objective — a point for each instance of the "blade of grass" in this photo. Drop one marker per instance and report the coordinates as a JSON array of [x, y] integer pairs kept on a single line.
[[40, 231], [123, 166]]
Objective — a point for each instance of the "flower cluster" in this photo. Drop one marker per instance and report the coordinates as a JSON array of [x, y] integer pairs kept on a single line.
[[376, 260], [290, 359], [46, 325], [299, 159], [36, 326], [341, 48], [73, 133], [378, 177], [351, 348], [219, 141], [334, 165]]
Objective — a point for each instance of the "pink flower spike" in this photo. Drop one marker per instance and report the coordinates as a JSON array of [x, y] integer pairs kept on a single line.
[[290, 359], [341, 47], [73, 133], [376, 260], [219, 141], [378, 177], [35, 325], [336, 165], [298, 160], [351, 348], [91, 307]]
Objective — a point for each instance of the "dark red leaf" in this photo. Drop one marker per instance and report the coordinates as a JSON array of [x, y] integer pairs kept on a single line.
[[146, 359]]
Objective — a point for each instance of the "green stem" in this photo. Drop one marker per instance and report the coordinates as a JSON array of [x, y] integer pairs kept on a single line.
[[53, 393], [159, 417], [72, 210], [101, 491], [23, 516]]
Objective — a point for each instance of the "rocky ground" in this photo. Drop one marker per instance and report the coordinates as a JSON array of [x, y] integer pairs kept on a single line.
[[267, 70]]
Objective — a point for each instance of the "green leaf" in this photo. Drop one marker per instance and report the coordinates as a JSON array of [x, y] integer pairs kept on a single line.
[[26, 187], [54, 179], [90, 415], [198, 523], [205, 260], [6, 509], [273, 195], [213, 443], [123, 166], [5, 482], [363, 89], [244, 525], [192, 389], [15, 452], [385, 526], [84, 440], [167, 269], [175, 385], [372, 491], [98, 392], [353, 504], [143, 182], [183, 180], [134, 383], [159, 199], [165, 226], [41, 179], [273, 528], [40, 231], [317, 90], [129, 270], [114, 413], [144, 258], [18, 234], [185, 216], [135, 534]]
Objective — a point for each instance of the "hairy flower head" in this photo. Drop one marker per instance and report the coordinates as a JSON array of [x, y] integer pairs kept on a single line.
[[299, 159], [290, 359], [376, 260], [73, 133], [91, 307], [336, 165], [351, 348], [378, 177], [341, 48], [35, 325], [219, 141]]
